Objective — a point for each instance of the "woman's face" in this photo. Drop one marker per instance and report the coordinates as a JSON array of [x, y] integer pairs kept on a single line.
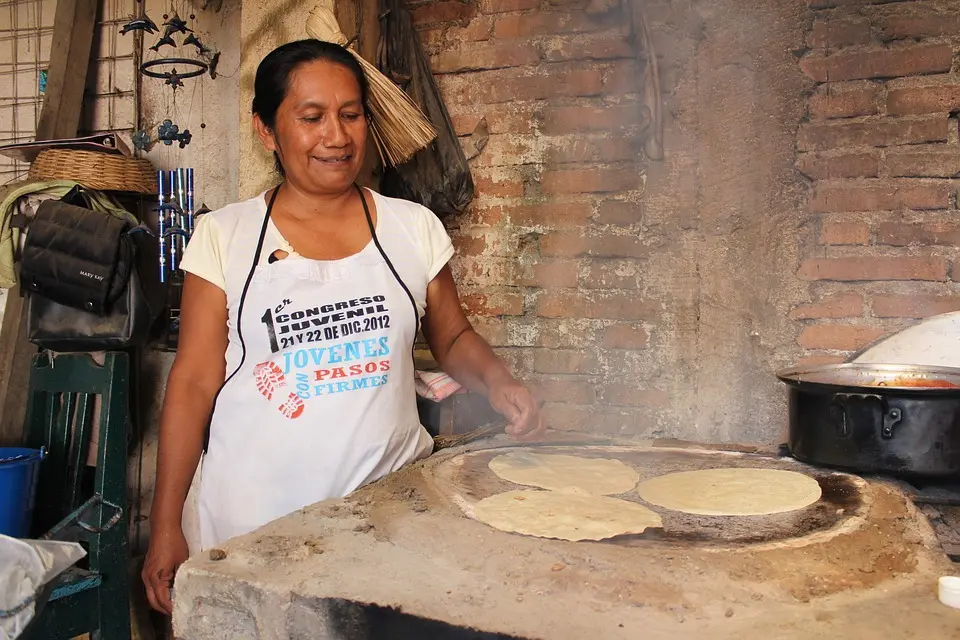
[[321, 129]]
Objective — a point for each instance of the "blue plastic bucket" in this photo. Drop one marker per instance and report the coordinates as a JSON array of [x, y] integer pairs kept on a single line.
[[19, 470]]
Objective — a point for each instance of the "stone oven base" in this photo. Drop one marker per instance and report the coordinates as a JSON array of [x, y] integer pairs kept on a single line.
[[399, 559]]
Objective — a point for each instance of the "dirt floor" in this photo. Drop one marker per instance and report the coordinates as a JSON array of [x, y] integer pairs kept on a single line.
[[862, 562]]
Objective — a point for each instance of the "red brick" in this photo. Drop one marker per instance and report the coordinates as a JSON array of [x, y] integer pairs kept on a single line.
[[555, 214], [880, 196], [874, 268], [507, 151], [937, 98], [813, 361], [543, 23], [619, 212], [879, 63], [465, 124], [902, 234], [913, 306], [443, 11], [840, 305], [839, 33], [843, 165], [924, 163], [609, 274], [493, 304], [882, 133], [569, 417], [503, 121], [506, 6], [486, 216], [583, 149], [595, 180], [628, 395], [432, 40], [625, 336], [492, 55], [565, 390], [573, 244], [845, 233], [838, 337], [562, 120], [510, 85], [548, 274], [469, 245], [564, 49], [493, 330], [483, 271], [489, 186], [478, 30], [834, 100], [623, 78], [564, 361], [919, 22], [598, 305]]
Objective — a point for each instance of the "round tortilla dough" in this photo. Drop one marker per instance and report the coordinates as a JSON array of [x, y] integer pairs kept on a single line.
[[599, 476], [565, 515], [731, 492]]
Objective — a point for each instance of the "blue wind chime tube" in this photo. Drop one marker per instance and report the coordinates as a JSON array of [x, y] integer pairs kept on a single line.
[[176, 217], [161, 227], [190, 219]]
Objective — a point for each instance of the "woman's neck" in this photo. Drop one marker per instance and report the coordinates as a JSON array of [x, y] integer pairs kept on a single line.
[[305, 205]]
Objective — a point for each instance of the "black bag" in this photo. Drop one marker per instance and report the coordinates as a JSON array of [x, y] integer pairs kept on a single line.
[[89, 278], [437, 177]]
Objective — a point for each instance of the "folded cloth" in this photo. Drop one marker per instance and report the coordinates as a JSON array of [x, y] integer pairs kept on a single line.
[[436, 385]]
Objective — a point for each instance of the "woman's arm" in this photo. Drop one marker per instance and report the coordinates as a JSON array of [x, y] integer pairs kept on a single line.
[[197, 374], [467, 357]]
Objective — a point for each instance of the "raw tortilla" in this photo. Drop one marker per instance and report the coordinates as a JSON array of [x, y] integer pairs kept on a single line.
[[731, 492], [599, 476], [566, 515]]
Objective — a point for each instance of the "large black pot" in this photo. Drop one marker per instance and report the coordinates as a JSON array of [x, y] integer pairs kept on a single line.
[[870, 418]]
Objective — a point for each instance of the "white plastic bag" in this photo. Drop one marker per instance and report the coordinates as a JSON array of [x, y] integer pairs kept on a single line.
[[25, 567]]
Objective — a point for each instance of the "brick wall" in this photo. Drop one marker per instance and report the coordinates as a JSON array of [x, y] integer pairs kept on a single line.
[[642, 297], [547, 255], [880, 146]]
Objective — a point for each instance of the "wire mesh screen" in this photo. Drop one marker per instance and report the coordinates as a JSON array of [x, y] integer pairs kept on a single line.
[[26, 35]]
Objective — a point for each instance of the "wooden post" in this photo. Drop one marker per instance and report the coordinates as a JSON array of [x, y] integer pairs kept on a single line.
[[73, 26]]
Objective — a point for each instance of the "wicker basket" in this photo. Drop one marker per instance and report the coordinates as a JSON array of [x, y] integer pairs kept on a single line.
[[100, 171]]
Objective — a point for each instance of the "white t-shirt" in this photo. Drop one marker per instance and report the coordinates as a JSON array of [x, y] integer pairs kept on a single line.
[[215, 232]]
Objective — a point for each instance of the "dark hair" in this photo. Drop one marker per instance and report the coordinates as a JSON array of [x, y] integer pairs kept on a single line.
[[273, 76]]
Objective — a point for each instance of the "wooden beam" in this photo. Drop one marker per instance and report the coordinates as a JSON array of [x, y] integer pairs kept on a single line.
[[73, 27]]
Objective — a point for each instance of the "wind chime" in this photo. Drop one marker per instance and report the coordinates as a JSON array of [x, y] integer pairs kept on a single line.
[[176, 212]]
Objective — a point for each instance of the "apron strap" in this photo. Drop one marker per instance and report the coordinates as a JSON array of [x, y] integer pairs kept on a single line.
[[376, 241], [243, 296]]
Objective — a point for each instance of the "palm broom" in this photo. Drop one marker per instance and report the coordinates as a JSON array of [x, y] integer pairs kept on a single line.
[[399, 127]]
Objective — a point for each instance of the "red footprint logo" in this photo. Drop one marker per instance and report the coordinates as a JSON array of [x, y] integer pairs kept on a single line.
[[293, 406], [269, 378]]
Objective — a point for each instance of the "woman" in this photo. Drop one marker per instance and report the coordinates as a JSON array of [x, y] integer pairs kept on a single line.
[[306, 300]]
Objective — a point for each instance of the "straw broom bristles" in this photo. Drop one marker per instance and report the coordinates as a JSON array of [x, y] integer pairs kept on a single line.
[[399, 127]]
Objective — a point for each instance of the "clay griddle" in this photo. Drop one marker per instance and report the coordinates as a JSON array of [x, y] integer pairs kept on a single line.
[[471, 480]]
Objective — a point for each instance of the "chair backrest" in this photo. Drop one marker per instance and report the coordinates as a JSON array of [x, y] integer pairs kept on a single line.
[[65, 393]]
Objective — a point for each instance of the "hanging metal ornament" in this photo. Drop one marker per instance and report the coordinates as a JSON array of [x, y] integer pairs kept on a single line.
[[143, 23], [168, 133], [176, 25], [141, 140], [173, 77], [165, 40]]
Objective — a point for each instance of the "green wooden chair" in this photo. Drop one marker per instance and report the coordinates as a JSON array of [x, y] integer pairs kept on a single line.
[[60, 410]]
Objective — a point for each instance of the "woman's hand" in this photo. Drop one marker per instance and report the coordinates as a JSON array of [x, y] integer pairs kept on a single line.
[[521, 407], [168, 550]]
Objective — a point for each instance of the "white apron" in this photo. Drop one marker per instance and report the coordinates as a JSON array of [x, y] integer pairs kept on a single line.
[[322, 401]]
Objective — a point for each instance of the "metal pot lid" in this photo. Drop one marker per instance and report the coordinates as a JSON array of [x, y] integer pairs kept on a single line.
[[876, 377]]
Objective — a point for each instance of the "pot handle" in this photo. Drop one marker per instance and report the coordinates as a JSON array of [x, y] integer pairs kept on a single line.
[[891, 415]]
